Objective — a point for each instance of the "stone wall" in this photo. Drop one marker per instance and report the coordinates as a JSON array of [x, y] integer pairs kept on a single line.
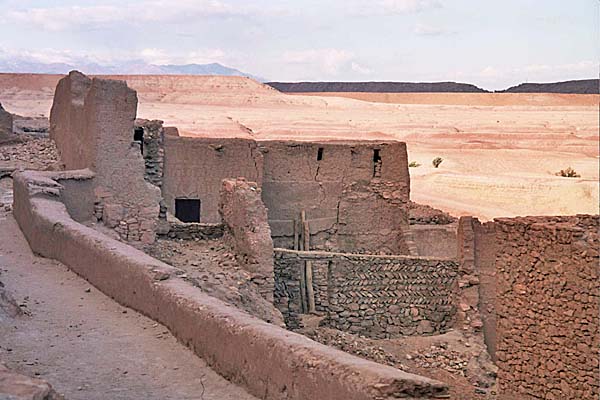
[[194, 168], [547, 307], [355, 194], [270, 362], [375, 296], [92, 124], [247, 231], [152, 149]]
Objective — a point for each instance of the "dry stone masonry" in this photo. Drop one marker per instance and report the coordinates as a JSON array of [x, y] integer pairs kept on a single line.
[[547, 311], [375, 296]]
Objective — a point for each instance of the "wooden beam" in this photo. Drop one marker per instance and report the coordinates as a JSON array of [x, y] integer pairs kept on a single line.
[[310, 292], [300, 246]]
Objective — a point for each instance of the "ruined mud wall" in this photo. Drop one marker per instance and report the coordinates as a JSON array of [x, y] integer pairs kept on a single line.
[[92, 124], [547, 307], [270, 362], [152, 149], [195, 167], [374, 296], [435, 240], [355, 194], [247, 231], [6, 125]]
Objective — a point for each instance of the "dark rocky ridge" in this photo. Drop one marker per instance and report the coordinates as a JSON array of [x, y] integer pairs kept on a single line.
[[584, 86], [375, 87]]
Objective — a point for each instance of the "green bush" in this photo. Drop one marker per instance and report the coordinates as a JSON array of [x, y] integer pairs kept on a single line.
[[437, 161], [568, 173], [414, 164]]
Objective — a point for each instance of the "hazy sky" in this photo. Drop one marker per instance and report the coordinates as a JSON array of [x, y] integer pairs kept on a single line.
[[491, 43]]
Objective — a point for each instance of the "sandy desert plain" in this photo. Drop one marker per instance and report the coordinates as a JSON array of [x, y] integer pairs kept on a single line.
[[501, 151]]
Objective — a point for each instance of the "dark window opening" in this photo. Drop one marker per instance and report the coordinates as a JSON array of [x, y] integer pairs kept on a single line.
[[187, 210], [376, 163], [138, 136], [320, 154]]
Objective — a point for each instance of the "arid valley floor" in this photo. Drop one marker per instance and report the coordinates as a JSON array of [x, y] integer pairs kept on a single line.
[[501, 151]]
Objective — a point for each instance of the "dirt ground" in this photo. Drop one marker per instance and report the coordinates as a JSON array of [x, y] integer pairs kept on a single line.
[[86, 345], [460, 361], [501, 151], [211, 266]]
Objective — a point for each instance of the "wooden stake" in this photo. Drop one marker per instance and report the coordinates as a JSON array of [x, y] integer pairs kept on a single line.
[[310, 292], [300, 246]]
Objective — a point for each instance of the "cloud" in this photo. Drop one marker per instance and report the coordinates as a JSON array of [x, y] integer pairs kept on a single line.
[[149, 55], [330, 61], [163, 57], [500, 78], [428, 30], [148, 11], [393, 7], [356, 67]]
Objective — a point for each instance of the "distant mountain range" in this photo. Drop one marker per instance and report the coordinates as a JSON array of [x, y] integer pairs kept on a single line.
[[587, 86], [136, 67], [140, 67], [375, 87], [584, 86]]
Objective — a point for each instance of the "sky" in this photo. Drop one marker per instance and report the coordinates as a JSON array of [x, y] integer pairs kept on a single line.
[[491, 43]]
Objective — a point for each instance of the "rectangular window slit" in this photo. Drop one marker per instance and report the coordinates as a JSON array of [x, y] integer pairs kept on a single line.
[[376, 163], [320, 154], [138, 136]]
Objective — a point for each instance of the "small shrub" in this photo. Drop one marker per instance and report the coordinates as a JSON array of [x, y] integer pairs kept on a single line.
[[414, 164], [437, 161], [568, 173]]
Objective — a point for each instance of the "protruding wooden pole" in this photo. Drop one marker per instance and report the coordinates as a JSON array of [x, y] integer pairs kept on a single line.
[[299, 245], [310, 293]]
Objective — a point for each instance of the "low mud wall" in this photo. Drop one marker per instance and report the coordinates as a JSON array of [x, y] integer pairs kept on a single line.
[[270, 362], [435, 240], [371, 295]]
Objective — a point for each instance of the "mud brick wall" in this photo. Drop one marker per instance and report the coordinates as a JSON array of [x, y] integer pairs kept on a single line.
[[355, 194], [247, 231], [194, 168], [375, 296], [435, 240], [191, 231], [6, 125], [547, 307], [92, 124]]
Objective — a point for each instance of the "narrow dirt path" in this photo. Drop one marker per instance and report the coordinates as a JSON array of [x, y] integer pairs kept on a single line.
[[85, 344]]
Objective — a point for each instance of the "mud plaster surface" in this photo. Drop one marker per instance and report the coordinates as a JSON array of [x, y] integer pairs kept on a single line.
[[86, 345]]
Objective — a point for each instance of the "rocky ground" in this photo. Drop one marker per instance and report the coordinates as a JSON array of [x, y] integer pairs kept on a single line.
[[454, 358], [211, 266], [29, 152]]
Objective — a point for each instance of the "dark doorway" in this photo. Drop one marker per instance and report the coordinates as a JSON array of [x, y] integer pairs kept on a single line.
[[187, 210], [138, 136]]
